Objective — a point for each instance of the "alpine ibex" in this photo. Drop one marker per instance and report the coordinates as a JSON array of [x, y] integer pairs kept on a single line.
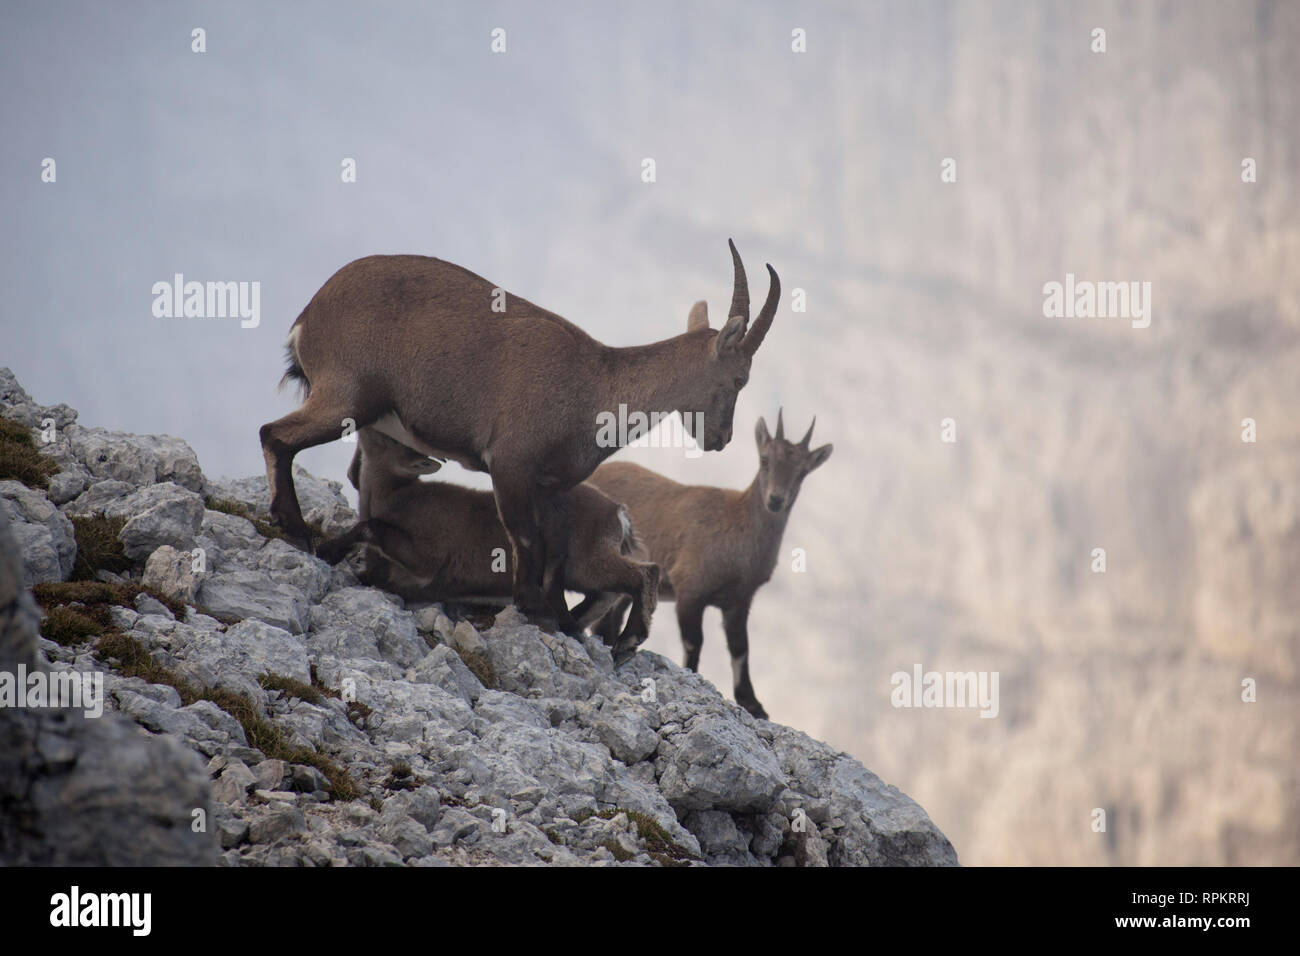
[[716, 546], [442, 541], [414, 346]]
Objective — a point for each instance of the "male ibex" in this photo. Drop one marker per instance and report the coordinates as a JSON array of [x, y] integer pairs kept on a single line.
[[412, 345], [716, 546], [446, 541]]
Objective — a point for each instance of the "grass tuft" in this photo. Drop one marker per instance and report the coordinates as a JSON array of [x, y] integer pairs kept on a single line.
[[401, 777], [292, 687], [71, 624], [359, 713], [659, 844], [479, 666], [21, 460], [132, 659], [263, 527], [620, 854], [99, 595], [98, 548], [317, 683]]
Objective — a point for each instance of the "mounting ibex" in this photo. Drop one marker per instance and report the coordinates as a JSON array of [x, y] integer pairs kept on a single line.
[[412, 345], [446, 541], [716, 546]]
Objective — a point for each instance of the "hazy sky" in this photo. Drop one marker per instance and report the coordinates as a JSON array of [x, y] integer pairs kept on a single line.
[[523, 166]]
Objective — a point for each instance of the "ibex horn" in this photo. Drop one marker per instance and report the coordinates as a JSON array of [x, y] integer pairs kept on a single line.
[[754, 339], [740, 293], [807, 438]]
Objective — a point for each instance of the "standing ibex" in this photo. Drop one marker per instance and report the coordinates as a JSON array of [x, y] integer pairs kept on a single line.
[[445, 541], [716, 546], [413, 346]]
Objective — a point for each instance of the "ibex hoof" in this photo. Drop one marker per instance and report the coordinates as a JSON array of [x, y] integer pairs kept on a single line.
[[624, 651], [331, 552], [295, 532], [302, 541], [532, 604], [755, 709]]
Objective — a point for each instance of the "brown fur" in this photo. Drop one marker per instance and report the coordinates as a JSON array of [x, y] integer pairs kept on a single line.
[[516, 394], [716, 546], [444, 540]]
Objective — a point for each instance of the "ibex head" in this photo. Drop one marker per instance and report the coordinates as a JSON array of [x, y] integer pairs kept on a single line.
[[782, 465], [377, 451], [730, 351]]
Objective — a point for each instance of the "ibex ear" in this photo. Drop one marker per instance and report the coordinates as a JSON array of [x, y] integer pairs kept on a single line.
[[732, 334], [699, 317], [817, 457], [760, 434]]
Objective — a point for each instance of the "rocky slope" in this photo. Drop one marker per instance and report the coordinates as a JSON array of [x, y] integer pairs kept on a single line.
[[263, 708]]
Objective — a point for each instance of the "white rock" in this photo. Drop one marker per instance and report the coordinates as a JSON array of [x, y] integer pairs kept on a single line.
[[45, 537]]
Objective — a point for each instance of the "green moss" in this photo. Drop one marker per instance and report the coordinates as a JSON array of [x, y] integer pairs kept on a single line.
[[342, 786], [292, 687], [358, 712], [132, 659], [98, 548], [20, 459], [226, 506], [401, 777], [479, 666], [69, 625], [100, 594], [620, 854], [263, 527], [659, 844], [317, 683]]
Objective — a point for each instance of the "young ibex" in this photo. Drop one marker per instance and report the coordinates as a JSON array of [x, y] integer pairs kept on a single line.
[[441, 541], [716, 546], [413, 346]]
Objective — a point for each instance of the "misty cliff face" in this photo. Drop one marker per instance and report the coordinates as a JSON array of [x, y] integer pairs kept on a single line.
[[264, 708], [1120, 690]]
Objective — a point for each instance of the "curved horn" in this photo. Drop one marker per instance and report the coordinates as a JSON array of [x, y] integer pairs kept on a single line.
[[740, 292], [807, 438], [780, 426], [754, 339]]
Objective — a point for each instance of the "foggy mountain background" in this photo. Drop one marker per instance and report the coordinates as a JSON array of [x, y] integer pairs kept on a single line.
[[1120, 690]]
